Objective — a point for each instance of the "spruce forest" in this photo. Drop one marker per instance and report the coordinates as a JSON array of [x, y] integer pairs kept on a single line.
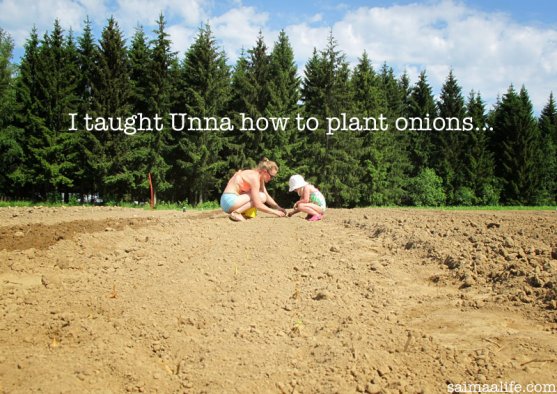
[[512, 162]]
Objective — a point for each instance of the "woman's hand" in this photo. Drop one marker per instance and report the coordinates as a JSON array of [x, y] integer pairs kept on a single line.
[[280, 214]]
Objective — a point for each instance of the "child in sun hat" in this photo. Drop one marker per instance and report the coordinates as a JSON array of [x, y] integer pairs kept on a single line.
[[311, 200]]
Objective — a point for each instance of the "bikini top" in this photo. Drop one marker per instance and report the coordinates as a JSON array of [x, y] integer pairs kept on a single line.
[[243, 185]]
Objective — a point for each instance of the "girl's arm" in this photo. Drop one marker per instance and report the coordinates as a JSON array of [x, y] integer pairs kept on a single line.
[[293, 212], [305, 195]]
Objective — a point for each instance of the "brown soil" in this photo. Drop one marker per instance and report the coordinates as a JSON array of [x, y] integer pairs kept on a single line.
[[368, 300]]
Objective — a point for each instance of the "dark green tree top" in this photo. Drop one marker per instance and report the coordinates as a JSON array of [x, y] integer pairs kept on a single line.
[[517, 144], [285, 83], [140, 73], [367, 96], [112, 89]]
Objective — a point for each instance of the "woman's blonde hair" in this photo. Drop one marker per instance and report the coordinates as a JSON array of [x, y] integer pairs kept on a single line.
[[266, 164]]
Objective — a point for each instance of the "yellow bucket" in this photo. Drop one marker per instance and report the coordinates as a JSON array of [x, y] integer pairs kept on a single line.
[[250, 213]]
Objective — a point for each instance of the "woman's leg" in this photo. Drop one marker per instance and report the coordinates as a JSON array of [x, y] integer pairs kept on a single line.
[[242, 204]]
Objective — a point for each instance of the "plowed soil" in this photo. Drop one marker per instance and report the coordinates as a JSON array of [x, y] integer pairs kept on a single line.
[[111, 300]]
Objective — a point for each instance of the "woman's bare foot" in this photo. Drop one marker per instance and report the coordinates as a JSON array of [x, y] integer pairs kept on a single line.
[[236, 217]]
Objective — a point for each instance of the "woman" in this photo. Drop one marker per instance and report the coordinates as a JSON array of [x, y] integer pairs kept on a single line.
[[246, 189]]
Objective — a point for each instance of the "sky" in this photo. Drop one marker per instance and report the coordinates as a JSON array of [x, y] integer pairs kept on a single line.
[[488, 45]]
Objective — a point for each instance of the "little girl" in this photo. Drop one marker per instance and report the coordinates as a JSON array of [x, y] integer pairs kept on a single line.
[[311, 200]]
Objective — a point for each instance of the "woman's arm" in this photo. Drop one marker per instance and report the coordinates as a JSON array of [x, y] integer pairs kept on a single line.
[[256, 186], [270, 201]]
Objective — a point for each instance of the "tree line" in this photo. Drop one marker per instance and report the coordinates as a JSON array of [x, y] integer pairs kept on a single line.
[[511, 162]]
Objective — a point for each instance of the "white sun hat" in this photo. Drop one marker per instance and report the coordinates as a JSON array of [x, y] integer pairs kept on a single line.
[[295, 182]]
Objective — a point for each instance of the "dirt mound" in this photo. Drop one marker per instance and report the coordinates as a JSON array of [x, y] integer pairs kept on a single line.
[[41, 236], [515, 258], [367, 300]]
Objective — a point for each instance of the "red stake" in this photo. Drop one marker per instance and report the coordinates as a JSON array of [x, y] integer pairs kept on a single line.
[[152, 192]]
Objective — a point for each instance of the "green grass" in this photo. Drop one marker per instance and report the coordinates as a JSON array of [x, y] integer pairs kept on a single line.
[[161, 206], [502, 208], [178, 206], [476, 208]]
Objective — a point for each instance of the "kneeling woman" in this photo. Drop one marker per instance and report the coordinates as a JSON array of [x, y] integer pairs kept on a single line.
[[246, 189]]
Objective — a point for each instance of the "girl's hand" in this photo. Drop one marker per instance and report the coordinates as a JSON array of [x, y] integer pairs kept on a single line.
[[280, 214]]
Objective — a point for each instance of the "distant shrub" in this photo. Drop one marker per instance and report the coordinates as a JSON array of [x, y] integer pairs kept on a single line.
[[465, 196], [427, 189], [490, 195]]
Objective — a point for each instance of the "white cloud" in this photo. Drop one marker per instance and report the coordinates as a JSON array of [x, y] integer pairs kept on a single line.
[[305, 38], [316, 18], [19, 16], [129, 13], [182, 38], [487, 52], [238, 29]]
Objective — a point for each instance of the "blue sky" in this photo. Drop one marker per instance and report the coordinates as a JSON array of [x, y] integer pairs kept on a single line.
[[488, 44]]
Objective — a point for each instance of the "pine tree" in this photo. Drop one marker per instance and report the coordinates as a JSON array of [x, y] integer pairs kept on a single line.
[[478, 161], [283, 103], [27, 86], [421, 107], [71, 141], [57, 78], [87, 54], [548, 129], [326, 93], [111, 93], [396, 143], [367, 96], [284, 81], [159, 96], [6, 68], [239, 149], [206, 81], [405, 92], [394, 93], [259, 73], [138, 156], [251, 97], [448, 141], [90, 149], [516, 140], [46, 92], [174, 138], [10, 136], [140, 59], [383, 157], [313, 91]]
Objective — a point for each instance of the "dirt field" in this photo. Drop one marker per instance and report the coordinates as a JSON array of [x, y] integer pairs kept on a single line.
[[110, 300]]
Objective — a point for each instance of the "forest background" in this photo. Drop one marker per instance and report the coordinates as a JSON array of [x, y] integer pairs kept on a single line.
[[508, 157]]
